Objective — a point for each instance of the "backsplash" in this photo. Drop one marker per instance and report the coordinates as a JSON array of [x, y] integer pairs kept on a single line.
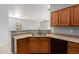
[[66, 30], [29, 32]]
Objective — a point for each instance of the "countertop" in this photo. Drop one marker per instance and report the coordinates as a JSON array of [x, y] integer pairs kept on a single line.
[[59, 36], [28, 35]]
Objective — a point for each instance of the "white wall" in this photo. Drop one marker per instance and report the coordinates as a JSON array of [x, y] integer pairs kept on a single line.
[[45, 25], [26, 24], [12, 24], [4, 30], [30, 11], [30, 25]]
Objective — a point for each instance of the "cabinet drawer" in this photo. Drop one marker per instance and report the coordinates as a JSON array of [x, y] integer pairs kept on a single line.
[[20, 40], [73, 44], [33, 38], [44, 38]]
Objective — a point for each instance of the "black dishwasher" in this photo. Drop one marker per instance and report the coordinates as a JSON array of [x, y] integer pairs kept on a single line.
[[58, 46]]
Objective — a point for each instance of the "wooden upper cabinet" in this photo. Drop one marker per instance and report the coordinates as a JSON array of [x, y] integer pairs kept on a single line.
[[54, 18], [64, 17], [75, 15]]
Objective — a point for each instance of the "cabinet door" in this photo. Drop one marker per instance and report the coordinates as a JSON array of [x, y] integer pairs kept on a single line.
[[23, 46], [75, 20], [54, 18], [64, 17], [58, 46], [45, 45], [34, 45], [73, 50]]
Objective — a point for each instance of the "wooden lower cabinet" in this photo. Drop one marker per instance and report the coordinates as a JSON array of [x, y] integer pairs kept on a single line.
[[34, 45], [39, 45], [73, 48], [58, 46], [22, 46], [45, 45]]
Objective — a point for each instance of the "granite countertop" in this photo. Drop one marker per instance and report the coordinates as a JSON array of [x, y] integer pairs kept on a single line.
[[58, 36], [66, 37]]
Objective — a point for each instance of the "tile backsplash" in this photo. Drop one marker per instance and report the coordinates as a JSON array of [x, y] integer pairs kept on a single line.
[[66, 30]]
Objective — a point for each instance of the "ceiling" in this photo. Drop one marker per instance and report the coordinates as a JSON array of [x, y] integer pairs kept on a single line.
[[30, 11], [55, 7]]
